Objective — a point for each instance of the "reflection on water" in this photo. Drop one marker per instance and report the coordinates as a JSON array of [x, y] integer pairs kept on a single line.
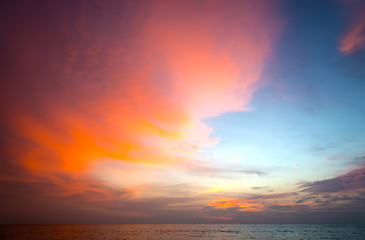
[[182, 231]]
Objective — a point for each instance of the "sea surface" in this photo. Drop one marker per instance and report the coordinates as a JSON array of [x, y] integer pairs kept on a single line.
[[183, 231]]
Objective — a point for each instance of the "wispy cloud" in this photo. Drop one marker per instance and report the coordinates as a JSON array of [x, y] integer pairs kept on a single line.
[[354, 38], [218, 171]]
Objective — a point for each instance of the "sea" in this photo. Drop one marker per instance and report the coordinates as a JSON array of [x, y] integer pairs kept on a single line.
[[182, 231]]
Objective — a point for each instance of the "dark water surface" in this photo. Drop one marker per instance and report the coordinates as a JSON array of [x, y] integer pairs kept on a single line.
[[183, 231]]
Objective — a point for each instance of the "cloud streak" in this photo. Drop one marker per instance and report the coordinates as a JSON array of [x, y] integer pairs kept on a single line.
[[354, 39]]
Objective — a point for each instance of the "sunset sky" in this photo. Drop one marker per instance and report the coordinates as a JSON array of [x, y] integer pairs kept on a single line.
[[182, 111]]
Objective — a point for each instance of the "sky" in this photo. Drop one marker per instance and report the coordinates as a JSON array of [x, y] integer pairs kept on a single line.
[[182, 111]]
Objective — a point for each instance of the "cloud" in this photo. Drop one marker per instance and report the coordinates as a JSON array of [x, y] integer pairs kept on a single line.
[[305, 199], [218, 171], [134, 86], [331, 197], [319, 149], [354, 38], [261, 188], [128, 81], [286, 215], [358, 161], [251, 203], [351, 181], [288, 207]]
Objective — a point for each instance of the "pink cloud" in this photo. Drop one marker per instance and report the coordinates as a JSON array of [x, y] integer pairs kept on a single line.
[[130, 82], [138, 91], [354, 38]]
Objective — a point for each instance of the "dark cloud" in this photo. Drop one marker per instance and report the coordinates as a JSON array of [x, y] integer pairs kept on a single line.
[[305, 199], [351, 181], [358, 161], [45, 201], [298, 214], [289, 207], [272, 196], [328, 201]]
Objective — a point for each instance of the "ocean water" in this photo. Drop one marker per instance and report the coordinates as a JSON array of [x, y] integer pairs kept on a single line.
[[182, 231]]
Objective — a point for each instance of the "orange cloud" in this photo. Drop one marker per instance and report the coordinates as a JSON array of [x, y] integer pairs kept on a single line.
[[244, 204], [255, 203], [131, 85]]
